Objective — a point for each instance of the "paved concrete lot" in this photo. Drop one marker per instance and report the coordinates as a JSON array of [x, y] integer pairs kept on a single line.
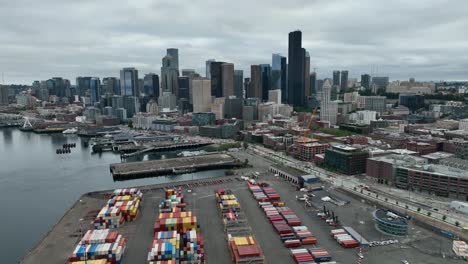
[[420, 247]]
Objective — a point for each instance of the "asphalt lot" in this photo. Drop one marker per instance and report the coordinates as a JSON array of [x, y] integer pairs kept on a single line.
[[421, 247]]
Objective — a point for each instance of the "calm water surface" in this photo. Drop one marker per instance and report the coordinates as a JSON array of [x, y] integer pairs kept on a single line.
[[37, 186]]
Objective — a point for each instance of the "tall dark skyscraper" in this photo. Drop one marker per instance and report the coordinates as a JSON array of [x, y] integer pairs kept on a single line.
[[238, 83], [344, 80], [313, 84], [255, 87], [151, 85], [183, 84], [366, 81], [284, 80], [111, 85], [95, 90], [296, 57], [216, 78], [336, 78], [266, 80], [82, 84]]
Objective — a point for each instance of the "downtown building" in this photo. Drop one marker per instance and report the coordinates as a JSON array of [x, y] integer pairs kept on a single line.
[[346, 160], [170, 72], [296, 70], [129, 82], [328, 108]]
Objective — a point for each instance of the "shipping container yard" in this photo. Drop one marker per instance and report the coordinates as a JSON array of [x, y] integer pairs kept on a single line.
[[228, 220]]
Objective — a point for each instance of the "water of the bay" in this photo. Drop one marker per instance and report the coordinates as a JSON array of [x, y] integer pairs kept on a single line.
[[37, 185]]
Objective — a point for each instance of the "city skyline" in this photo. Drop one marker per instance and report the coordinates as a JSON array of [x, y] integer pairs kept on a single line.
[[400, 39]]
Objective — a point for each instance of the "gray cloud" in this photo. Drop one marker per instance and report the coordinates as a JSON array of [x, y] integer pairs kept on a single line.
[[40, 39]]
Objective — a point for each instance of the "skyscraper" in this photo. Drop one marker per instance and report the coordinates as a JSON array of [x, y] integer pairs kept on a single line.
[[284, 79], [227, 79], [313, 84], [174, 53], [344, 80], [328, 109], [95, 90], [247, 87], [239, 83], [151, 85], [216, 79], [366, 81], [336, 78], [276, 71], [266, 81], [255, 88], [307, 74], [82, 84], [184, 83], [129, 82], [208, 68], [170, 71], [111, 85], [201, 95], [296, 57]]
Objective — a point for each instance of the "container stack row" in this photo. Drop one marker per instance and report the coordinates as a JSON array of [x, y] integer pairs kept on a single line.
[[286, 223], [177, 238], [99, 247], [242, 244], [123, 206], [344, 238]]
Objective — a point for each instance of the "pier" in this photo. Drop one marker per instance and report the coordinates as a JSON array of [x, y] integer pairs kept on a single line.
[[166, 147], [133, 170]]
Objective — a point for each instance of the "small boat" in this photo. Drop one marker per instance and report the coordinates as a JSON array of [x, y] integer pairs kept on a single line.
[[73, 130]]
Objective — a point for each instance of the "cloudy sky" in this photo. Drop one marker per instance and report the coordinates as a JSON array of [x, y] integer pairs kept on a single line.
[[425, 39]]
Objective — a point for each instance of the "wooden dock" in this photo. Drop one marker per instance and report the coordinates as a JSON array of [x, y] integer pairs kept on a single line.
[[151, 168]]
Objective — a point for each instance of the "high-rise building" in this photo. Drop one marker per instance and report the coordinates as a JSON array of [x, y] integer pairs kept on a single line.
[[307, 75], [255, 88], [328, 108], [4, 95], [276, 71], [274, 96], [174, 53], [111, 85], [284, 80], [227, 79], [129, 83], [208, 68], [246, 87], [344, 80], [266, 80], [170, 72], [82, 85], [336, 78], [375, 103], [59, 86], [216, 78], [95, 90], [117, 102], [366, 81], [201, 95], [239, 83], [296, 58], [151, 85], [233, 107], [167, 101], [313, 84], [380, 84], [131, 105], [184, 83]]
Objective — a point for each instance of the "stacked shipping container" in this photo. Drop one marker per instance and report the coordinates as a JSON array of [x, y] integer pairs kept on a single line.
[[122, 206], [286, 223], [242, 245], [177, 237]]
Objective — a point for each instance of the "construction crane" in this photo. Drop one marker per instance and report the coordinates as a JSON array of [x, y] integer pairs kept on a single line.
[[307, 130]]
